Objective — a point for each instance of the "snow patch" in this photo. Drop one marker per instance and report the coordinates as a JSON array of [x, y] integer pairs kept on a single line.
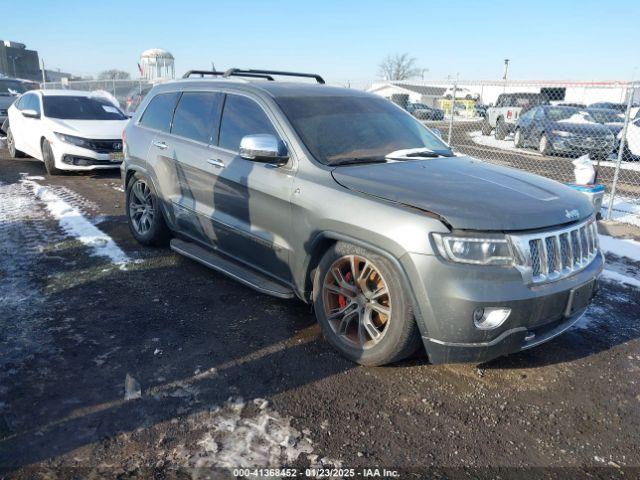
[[613, 276], [624, 210], [506, 144], [245, 435], [76, 225], [623, 247]]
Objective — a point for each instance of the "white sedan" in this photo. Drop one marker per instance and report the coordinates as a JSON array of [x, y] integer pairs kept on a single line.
[[67, 130]]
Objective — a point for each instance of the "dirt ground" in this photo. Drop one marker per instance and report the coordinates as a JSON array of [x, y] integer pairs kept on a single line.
[[232, 378]]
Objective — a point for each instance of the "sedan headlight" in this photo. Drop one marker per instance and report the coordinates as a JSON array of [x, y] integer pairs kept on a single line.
[[77, 141], [562, 133], [475, 250]]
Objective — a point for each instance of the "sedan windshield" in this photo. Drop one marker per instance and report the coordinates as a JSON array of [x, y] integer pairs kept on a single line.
[[339, 129], [80, 108], [12, 87], [569, 115]]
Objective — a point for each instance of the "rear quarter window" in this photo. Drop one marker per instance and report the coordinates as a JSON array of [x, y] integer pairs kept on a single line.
[[159, 112]]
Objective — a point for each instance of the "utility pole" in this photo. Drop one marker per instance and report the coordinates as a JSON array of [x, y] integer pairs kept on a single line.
[[44, 75], [422, 73], [506, 72]]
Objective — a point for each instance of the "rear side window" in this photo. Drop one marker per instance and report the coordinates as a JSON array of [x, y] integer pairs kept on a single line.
[[159, 112], [197, 116], [242, 116]]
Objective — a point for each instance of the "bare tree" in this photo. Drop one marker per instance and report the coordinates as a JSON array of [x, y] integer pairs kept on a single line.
[[114, 74], [399, 66]]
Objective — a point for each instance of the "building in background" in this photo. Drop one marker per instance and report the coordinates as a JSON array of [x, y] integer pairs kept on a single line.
[[488, 91], [18, 62], [156, 64], [429, 95]]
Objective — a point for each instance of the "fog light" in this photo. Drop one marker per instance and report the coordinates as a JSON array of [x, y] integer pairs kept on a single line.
[[490, 317]]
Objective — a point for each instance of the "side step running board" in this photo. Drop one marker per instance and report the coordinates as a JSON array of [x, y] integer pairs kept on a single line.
[[249, 277]]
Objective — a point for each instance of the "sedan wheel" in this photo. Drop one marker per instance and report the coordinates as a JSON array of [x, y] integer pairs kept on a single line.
[[357, 301], [544, 147], [11, 146]]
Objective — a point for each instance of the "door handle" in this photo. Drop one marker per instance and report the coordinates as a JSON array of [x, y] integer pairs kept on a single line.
[[160, 145], [216, 162]]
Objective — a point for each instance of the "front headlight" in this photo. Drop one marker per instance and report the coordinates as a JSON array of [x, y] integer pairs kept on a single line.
[[562, 133], [475, 250], [77, 141]]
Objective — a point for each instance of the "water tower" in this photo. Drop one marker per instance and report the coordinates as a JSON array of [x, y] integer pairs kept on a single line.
[[156, 64]]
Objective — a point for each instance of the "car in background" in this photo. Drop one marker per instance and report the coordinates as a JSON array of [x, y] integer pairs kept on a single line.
[[563, 130], [10, 89], [632, 143], [425, 112], [480, 110], [621, 107], [67, 130], [461, 94], [134, 97], [504, 114]]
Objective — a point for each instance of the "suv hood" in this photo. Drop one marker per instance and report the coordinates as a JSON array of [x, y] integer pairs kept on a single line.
[[93, 129], [469, 194]]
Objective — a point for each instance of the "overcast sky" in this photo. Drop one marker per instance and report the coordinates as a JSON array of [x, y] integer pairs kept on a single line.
[[344, 41]]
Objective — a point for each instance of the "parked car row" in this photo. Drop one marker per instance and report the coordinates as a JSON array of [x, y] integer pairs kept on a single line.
[[10, 89], [560, 128]]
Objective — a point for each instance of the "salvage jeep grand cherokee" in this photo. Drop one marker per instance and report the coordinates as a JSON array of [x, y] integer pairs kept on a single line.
[[344, 200]]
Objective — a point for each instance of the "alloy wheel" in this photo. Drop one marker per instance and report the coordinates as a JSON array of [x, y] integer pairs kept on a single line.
[[141, 208], [357, 301]]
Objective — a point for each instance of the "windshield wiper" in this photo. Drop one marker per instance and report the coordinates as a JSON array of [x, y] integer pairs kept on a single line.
[[357, 161], [418, 153]]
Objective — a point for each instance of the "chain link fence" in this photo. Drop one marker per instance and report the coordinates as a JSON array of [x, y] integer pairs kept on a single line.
[[540, 127], [128, 93]]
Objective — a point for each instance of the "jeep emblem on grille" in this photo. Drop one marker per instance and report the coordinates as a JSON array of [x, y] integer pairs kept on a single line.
[[572, 213]]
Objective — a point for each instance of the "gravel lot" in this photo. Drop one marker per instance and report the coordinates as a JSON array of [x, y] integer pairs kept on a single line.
[[229, 377]]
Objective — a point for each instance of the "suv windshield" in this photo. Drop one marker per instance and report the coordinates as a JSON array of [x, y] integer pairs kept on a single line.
[[80, 108], [12, 88], [339, 128]]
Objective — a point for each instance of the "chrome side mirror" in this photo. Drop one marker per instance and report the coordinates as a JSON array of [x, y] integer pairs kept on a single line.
[[30, 113], [264, 148]]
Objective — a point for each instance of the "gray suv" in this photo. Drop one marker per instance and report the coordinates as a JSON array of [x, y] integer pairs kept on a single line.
[[344, 200]]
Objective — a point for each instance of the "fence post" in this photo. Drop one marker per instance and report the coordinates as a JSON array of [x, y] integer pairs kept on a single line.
[[623, 141], [453, 104]]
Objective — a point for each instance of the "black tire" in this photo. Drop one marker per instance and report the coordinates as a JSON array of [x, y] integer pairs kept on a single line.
[[157, 233], [400, 334], [544, 145], [518, 139], [486, 127], [501, 129], [11, 146], [49, 159]]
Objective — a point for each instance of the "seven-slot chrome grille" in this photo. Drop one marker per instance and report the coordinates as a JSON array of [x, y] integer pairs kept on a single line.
[[552, 255]]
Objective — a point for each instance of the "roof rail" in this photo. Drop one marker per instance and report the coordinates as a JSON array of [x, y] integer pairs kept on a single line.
[[213, 73], [236, 71]]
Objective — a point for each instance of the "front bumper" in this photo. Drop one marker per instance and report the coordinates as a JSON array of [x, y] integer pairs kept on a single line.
[[72, 157], [447, 295], [579, 145]]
